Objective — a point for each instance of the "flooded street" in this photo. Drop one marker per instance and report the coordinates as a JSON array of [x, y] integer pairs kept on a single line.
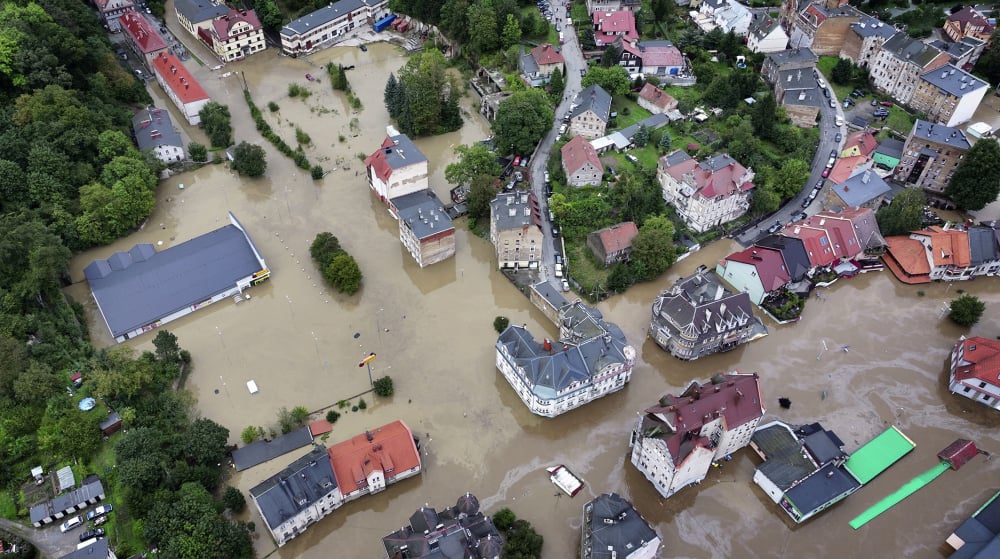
[[433, 332]]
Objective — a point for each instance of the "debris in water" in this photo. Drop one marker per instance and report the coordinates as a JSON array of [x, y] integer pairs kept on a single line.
[[357, 335], [785, 403]]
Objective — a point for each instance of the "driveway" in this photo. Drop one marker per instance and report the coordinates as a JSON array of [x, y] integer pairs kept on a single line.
[[827, 142], [574, 64], [49, 542]]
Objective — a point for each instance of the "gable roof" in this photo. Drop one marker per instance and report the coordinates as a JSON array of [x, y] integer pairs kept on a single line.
[[617, 237], [793, 252], [389, 448], [197, 11], [865, 226], [657, 97], [816, 242], [654, 53], [139, 287], [176, 77], [861, 187], [906, 48], [141, 32], [614, 528], [515, 210], [578, 152], [547, 54], [948, 247], [941, 134], [864, 140], [846, 167], [970, 17], [840, 231], [792, 56], [980, 360], [460, 530], [910, 256], [261, 451], [769, 264], [595, 99], [396, 152], [152, 128], [224, 24], [761, 24], [719, 175], [610, 25], [296, 487]]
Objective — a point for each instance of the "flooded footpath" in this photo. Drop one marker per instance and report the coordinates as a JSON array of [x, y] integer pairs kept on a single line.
[[432, 330]]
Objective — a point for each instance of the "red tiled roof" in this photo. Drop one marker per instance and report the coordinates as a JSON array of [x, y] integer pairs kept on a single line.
[[845, 167], [224, 24], [737, 400], [608, 26], [657, 97], [816, 241], [967, 16], [709, 184], [138, 28], [948, 248], [840, 231], [769, 263], [618, 237], [379, 162], [173, 73], [907, 260], [655, 54], [863, 139], [980, 362], [319, 427], [547, 54], [389, 448], [577, 152]]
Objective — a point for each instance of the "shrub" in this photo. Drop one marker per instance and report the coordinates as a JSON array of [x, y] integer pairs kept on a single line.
[[198, 152], [383, 387], [294, 90], [251, 434], [233, 499], [273, 107], [343, 274], [362, 404], [332, 416], [966, 310], [503, 519], [301, 137], [316, 172], [354, 408], [501, 323]]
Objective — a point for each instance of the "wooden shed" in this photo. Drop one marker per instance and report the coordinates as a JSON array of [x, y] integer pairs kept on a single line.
[[958, 453]]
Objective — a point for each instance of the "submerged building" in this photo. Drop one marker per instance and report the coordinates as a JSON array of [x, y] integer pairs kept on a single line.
[[461, 530], [613, 528]]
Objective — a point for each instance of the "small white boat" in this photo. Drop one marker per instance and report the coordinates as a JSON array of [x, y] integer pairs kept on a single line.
[[565, 479]]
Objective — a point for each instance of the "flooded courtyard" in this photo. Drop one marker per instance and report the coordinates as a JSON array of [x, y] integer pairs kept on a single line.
[[432, 331]]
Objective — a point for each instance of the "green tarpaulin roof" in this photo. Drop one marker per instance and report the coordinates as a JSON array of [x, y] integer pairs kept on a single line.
[[878, 454]]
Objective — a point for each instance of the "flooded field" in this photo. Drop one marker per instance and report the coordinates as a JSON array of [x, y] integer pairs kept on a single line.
[[432, 330]]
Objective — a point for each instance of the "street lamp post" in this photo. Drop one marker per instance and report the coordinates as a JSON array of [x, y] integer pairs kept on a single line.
[[367, 362]]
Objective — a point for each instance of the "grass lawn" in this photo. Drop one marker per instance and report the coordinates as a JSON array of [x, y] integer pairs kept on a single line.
[[690, 95], [635, 112], [900, 120], [8, 508], [825, 65], [583, 269]]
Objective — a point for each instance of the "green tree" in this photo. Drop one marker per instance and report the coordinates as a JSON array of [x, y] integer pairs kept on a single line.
[[482, 22], [843, 72], [216, 121], [324, 247], [610, 56], [167, 349], [393, 97], [114, 143], [653, 249], [500, 323], [765, 200], [522, 541], [557, 85], [614, 80], [198, 152], [481, 193], [511, 34], [790, 177], [343, 274], [522, 120], [332, 416], [36, 384], [988, 65], [429, 95], [764, 117], [473, 160], [636, 195], [503, 519], [641, 137], [205, 442], [269, 14], [966, 310], [338, 77], [903, 215], [249, 160], [233, 499], [976, 181], [383, 387]]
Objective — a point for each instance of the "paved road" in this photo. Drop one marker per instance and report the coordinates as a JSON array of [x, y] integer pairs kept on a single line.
[[49, 542], [827, 142], [574, 64]]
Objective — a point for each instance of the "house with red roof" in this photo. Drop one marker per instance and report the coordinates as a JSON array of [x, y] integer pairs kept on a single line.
[[861, 142], [538, 64], [968, 22], [756, 271], [180, 87], [706, 194], [845, 167], [609, 26], [580, 163], [396, 169], [930, 254], [234, 36], [140, 36], [111, 10], [816, 241], [840, 231], [675, 442], [651, 58], [975, 370], [368, 463], [655, 100], [613, 244]]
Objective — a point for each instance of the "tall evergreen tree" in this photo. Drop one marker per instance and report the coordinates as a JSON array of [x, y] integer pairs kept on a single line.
[[556, 84], [393, 96]]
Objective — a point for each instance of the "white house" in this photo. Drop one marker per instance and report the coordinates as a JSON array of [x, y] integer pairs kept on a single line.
[[974, 370], [590, 360], [330, 25], [156, 133], [236, 35], [727, 15], [398, 168], [765, 34], [705, 194], [180, 86], [675, 442]]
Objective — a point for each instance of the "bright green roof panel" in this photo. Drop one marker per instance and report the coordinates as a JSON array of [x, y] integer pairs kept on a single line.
[[878, 454]]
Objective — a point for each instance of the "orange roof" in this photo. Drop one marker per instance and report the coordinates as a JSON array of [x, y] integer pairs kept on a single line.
[[657, 97], [177, 78], [389, 448], [547, 54], [948, 248], [319, 427], [864, 140], [618, 237], [578, 151], [845, 167], [138, 28], [980, 361], [907, 259]]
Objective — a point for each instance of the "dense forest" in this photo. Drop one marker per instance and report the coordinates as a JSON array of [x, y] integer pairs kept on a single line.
[[71, 178]]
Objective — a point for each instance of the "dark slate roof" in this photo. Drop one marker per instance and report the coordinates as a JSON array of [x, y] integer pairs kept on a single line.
[[197, 11], [141, 286], [861, 187], [651, 123], [797, 78], [954, 81], [798, 55], [97, 550], [761, 24], [785, 461], [793, 251], [981, 532], [675, 157], [452, 532], [890, 147], [907, 48], [612, 527], [92, 489], [827, 484], [594, 98], [423, 213], [296, 487], [519, 202], [528, 63], [261, 451], [941, 134], [872, 27], [695, 305], [549, 292], [326, 14], [153, 128], [957, 50], [113, 418], [824, 447], [982, 245]]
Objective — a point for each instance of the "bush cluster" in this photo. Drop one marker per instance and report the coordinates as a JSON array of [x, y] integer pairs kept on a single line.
[[265, 130]]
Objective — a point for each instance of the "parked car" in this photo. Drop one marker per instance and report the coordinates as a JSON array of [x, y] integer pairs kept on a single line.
[[809, 199], [820, 81], [99, 511], [632, 158], [799, 217], [838, 137], [826, 172], [848, 102], [525, 160], [555, 231], [775, 228], [839, 121], [826, 93], [517, 161], [546, 177], [833, 154], [565, 285], [518, 176], [91, 534], [563, 128], [819, 184], [71, 523], [833, 104], [885, 103], [879, 113], [858, 93]]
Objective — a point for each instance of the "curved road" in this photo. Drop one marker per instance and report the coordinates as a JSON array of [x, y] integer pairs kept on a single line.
[[49, 542]]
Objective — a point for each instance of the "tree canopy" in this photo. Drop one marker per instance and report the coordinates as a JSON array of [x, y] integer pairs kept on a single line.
[[966, 310], [424, 98], [903, 214], [976, 181], [473, 160], [613, 79], [522, 120], [249, 159]]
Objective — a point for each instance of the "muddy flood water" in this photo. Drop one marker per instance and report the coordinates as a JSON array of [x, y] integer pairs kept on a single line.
[[432, 330]]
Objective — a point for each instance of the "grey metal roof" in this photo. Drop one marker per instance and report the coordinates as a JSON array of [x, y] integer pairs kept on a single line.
[[761, 24], [716, 162], [907, 48], [259, 452], [296, 487], [423, 213], [324, 15], [404, 153], [528, 63], [512, 210], [941, 134], [957, 50], [197, 11], [890, 147], [824, 447], [651, 123], [825, 485], [954, 81], [861, 187], [97, 550], [796, 78], [549, 292], [675, 157], [614, 528], [982, 245], [785, 462], [153, 128], [804, 98], [596, 99], [91, 490], [797, 55], [872, 27], [141, 286], [981, 532], [449, 533]]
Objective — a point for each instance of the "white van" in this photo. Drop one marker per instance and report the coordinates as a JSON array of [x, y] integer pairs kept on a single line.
[[559, 271], [561, 38], [71, 523]]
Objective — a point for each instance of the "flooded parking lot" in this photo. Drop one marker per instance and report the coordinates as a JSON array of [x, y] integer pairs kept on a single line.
[[432, 330]]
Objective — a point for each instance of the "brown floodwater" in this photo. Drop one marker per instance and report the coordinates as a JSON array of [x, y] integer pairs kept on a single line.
[[432, 331]]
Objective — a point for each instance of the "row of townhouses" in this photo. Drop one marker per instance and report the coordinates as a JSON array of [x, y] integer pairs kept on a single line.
[[946, 253], [331, 24]]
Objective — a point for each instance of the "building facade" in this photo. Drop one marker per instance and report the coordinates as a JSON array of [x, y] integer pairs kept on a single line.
[[195, 15], [968, 22], [425, 228], [330, 24], [235, 35], [948, 95], [655, 100], [650, 58], [975, 370], [706, 194], [756, 271], [590, 114], [538, 65], [821, 25], [699, 316], [591, 359], [899, 64], [516, 230], [675, 442], [613, 244], [180, 86], [613, 528], [611, 26], [765, 34], [580, 163], [145, 42], [612, 5], [865, 39], [931, 154], [154, 132], [398, 168]]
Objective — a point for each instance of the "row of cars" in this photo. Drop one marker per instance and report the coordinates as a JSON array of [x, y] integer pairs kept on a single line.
[[98, 516]]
